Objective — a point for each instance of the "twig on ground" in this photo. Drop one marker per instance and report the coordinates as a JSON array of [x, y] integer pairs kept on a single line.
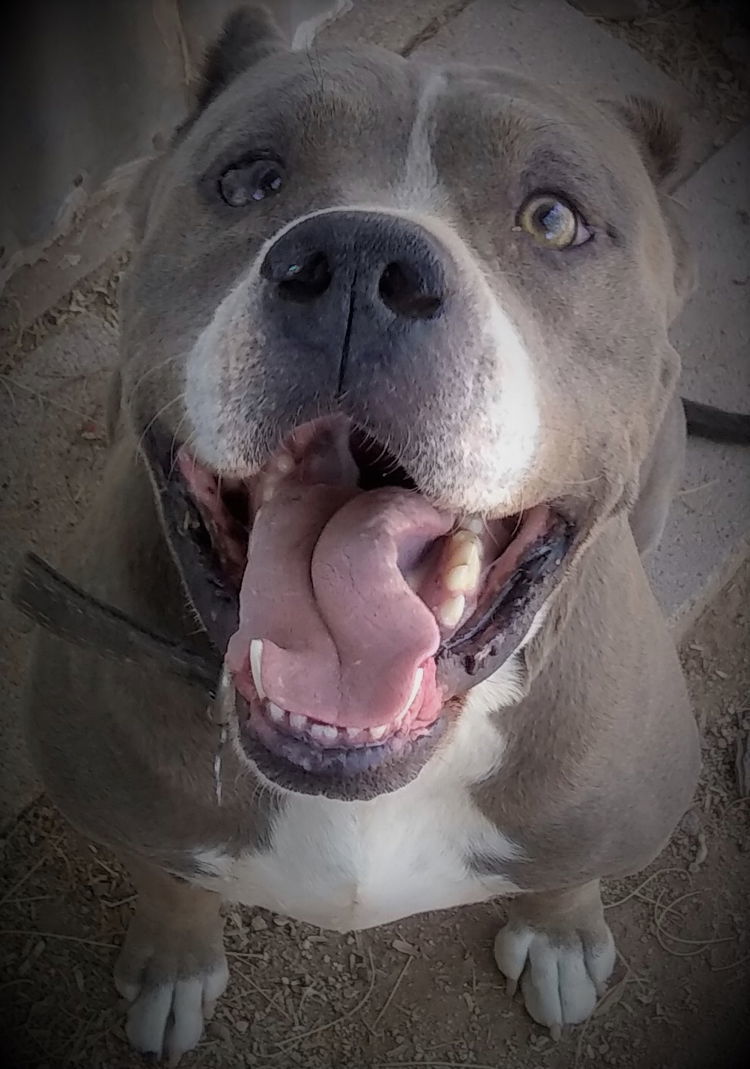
[[394, 989], [59, 935], [286, 1044], [29, 872], [633, 893]]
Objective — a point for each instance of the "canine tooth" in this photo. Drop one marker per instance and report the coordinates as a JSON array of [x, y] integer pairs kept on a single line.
[[256, 655], [327, 732], [378, 732], [416, 684], [475, 525], [451, 611], [277, 713], [297, 722]]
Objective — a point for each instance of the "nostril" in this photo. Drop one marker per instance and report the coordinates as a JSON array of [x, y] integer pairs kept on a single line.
[[406, 294], [307, 280]]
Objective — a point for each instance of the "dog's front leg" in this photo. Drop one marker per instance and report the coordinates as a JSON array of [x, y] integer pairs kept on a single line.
[[172, 966], [558, 944]]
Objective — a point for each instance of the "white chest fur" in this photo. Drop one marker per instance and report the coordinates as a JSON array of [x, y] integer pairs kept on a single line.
[[349, 865]]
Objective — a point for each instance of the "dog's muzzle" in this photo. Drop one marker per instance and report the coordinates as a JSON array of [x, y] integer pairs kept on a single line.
[[343, 282]]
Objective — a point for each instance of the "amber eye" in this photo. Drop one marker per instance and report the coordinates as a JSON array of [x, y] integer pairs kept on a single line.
[[552, 223], [242, 184]]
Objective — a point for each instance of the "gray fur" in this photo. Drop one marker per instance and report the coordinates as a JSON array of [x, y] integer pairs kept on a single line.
[[601, 753]]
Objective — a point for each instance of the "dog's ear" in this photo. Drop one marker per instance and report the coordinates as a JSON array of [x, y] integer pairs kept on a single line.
[[657, 133], [685, 265], [249, 35]]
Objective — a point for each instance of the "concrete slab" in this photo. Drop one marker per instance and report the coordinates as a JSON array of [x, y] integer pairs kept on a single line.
[[69, 228], [552, 42], [94, 87], [709, 529], [399, 25], [52, 445], [99, 242]]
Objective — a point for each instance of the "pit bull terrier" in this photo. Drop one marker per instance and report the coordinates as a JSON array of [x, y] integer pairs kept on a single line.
[[395, 414]]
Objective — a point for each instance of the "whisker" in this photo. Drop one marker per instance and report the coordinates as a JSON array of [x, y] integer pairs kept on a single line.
[[152, 370], [174, 451], [162, 410]]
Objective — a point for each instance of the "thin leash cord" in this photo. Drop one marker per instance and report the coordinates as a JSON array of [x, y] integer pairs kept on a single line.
[[219, 713]]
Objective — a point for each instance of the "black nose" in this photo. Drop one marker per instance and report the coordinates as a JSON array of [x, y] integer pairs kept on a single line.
[[379, 265]]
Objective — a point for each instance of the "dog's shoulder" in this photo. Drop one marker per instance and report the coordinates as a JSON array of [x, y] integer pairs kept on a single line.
[[602, 751]]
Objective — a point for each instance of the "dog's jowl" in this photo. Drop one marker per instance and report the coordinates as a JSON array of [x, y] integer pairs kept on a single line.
[[395, 419]]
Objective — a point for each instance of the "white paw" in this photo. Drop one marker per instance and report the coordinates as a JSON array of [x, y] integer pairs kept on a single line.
[[561, 978], [168, 1004]]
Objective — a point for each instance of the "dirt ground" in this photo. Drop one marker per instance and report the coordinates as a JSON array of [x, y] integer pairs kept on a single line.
[[425, 991]]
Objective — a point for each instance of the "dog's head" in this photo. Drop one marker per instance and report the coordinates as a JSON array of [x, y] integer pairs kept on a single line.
[[395, 344]]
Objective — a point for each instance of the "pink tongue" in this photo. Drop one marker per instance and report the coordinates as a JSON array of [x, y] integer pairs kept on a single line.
[[325, 588]]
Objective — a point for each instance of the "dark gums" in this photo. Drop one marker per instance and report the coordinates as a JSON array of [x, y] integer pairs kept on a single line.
[[542, 558], [214, 600]]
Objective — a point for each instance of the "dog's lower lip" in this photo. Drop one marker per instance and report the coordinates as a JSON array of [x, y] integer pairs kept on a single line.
[[345, 773]]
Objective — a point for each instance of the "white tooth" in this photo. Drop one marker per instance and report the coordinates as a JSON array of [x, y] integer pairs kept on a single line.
[[451, 611], [464, 549], [352, 733], [474, 564], [277, 713], [269, 489], [297, 722], [465, 570], [256, 656], [457, 579], [418, 677], [327, 732], [475, 524], [378, 732]]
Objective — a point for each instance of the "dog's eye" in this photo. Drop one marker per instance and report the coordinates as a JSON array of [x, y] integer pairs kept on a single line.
[[552, 222], [244, 183]]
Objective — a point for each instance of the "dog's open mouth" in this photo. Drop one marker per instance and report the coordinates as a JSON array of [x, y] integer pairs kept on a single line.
[[350, 609]]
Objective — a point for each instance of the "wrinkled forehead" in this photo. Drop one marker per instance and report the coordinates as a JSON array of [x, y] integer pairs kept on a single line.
[[368, 116]]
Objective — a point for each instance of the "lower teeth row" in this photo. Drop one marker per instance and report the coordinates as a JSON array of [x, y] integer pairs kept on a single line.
[[325, 733]]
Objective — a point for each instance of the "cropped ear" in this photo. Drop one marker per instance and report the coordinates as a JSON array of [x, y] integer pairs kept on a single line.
[[685, 265], [249, 35], [657, 133], [659, 136]]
